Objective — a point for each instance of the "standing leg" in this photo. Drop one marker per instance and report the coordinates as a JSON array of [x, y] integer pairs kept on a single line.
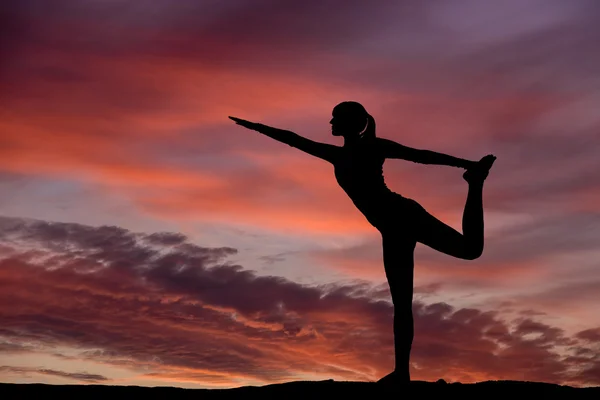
[[398, 260]]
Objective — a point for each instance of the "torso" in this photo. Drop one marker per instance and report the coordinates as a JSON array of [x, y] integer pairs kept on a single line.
[[359, 171]]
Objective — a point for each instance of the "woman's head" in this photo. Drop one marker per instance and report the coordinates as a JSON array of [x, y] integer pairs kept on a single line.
[[350, 120]]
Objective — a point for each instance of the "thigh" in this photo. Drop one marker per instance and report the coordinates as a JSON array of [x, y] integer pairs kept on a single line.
[[435, 234], [399, 215]]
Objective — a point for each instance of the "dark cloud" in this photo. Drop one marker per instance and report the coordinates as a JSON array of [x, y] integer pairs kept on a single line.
[[169, 309], [186, 27], [590, 335], [165, 238], [77, 376], [8, 347]]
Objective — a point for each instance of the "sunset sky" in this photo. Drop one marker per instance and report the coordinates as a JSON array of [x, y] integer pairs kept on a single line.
[[145, 239]]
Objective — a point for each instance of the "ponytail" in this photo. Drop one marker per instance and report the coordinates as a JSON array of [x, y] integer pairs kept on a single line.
[[369, 131]]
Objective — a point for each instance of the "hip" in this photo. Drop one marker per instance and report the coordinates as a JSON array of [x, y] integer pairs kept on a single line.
[[394, 213]]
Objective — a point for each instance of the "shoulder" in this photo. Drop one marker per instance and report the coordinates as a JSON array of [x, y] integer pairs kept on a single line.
[[386, 148], [380, 144], [382, 141], [333, 152]]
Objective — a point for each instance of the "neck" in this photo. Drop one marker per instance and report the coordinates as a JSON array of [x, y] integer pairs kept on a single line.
[[351, 140]]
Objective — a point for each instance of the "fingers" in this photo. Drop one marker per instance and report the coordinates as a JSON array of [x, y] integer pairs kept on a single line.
[[243, 122], [485, 163]]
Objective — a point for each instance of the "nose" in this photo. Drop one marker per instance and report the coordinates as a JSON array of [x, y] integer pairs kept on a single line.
[[331, 122]]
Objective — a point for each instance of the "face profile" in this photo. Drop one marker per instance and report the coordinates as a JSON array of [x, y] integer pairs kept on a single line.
[[349, 119]]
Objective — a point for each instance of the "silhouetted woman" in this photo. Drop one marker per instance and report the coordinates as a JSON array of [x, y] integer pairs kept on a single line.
[[402, 222]]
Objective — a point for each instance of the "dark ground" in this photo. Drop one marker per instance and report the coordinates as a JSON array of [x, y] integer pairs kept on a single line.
[[311, 390]]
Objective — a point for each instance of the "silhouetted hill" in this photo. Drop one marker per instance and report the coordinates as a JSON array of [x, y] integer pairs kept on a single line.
[[313, 390]]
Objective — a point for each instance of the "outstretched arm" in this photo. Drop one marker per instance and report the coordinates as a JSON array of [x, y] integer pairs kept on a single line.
[[324, 151], [391, 149]]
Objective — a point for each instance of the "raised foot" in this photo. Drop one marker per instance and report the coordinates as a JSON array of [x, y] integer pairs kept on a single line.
[[480, 170]]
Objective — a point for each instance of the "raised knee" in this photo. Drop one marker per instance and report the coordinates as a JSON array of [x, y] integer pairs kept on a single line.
[[473, 253]]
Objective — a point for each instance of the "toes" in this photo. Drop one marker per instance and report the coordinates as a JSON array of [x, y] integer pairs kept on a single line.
[[484, 165], [487, 161]]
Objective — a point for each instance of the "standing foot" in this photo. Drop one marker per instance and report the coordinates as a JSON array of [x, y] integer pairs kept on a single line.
[[394, 379], [478, 173]]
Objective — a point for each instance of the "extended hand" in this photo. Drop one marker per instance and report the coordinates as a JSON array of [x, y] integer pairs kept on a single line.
[[244, 123]]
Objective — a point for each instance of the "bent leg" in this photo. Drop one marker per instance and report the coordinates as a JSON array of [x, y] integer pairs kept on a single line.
[[398, 260], [441, 237]]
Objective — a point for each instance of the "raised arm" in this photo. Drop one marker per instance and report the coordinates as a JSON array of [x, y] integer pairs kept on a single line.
[[391, 149], [324, 151]]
